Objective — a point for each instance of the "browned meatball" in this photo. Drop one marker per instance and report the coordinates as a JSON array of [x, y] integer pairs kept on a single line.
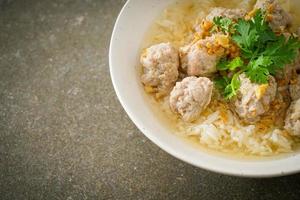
[[160, 67], [253, 100], [279, 19], [292, 121], [200, 58], [294, 88], [191, 96]]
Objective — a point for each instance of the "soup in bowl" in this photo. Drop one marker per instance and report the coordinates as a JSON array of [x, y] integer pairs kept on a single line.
[[212, 83]]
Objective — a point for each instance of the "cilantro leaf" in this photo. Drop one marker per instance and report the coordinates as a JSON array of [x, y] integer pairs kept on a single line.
[[259, 21], [282, 52], [228, 86], [235, 63], [264, 31], [245, 37], [224, 64], [221, 82], [231, 89], [225, 24], [258, 71], [253, 35]]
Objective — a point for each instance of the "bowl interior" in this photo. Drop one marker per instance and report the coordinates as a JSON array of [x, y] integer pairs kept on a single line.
[[129, 32]]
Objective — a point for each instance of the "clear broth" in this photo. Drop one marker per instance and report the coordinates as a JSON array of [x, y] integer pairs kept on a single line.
[[195, 10]]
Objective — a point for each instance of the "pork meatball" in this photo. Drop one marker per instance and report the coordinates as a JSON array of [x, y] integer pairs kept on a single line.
[[294, 88], [233, 14], [200, 58], [279, 19], [292, 121], [289, 72], [289, 78], [197, 61], [190, 97], [160, 67], [253, 100]]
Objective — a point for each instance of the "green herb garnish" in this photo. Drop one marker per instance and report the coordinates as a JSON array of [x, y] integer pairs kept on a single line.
[[231, 65], [223, 23], [263, 52], [229, 86]]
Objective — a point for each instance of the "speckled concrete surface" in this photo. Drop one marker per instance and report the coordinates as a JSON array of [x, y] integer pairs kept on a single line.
[[63, 133]]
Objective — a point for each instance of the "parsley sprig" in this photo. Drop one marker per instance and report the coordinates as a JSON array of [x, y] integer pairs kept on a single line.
[[263, 53], [224, 24]]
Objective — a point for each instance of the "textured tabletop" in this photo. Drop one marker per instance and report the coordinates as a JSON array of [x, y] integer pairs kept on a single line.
[[64, 134]]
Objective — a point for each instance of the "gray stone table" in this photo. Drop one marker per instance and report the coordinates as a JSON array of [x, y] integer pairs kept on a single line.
[[63, 133]]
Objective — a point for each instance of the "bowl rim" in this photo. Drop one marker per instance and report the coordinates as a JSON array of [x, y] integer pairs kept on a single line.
[[266, 173]]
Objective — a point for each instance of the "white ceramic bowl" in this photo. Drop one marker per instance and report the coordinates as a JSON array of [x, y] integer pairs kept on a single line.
[[130, 28]]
